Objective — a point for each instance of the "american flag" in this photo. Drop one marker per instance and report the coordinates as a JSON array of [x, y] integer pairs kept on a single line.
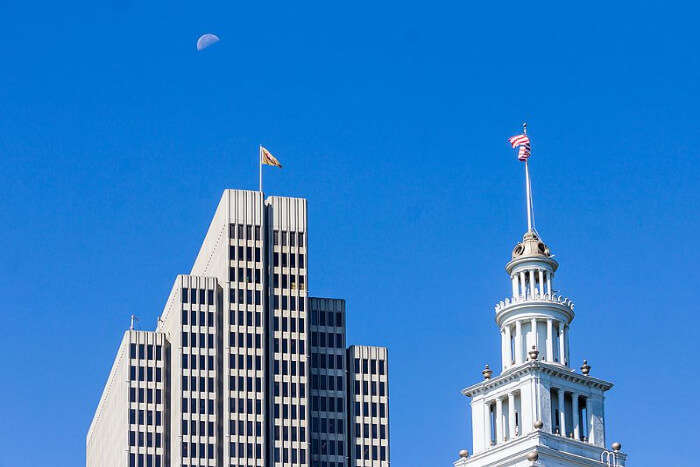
[[524, 142]]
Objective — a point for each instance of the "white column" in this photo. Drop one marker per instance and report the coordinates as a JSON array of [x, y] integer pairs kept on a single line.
[[562, 413], [549, 283], [518, 342], [541, 273], [511, 415], [562, 354], [509, 355], [515, 285], [550, 342], [503, 350], [574, 413], [487, 424], [533, 325], [589, 421], [566, 345], [499, 421], [532, 282], [523, 290]]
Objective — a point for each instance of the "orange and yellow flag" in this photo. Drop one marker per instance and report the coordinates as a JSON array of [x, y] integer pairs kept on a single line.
[[268, 159]]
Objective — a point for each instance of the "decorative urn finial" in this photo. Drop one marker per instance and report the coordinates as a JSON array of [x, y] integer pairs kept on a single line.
[[464, 453], [585, 368], [538, 425], [487, 372], [532, 456], [533, 353], [616, 446]]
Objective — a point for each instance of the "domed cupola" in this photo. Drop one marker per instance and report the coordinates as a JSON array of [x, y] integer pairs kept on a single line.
[[531, 246]]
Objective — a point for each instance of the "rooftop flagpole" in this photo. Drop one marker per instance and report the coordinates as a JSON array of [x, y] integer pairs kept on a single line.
[[528, 188], [260, 166]]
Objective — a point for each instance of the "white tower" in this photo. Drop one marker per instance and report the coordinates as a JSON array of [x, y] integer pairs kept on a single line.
[[538, 411]]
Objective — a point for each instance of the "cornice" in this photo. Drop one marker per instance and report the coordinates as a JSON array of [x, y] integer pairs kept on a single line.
[[535, 366]]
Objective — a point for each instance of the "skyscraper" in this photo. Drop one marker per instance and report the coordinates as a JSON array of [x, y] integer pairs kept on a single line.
[[229, 379]]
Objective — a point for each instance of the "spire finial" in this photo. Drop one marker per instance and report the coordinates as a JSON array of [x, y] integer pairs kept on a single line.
[[133, 320], [524, 128]]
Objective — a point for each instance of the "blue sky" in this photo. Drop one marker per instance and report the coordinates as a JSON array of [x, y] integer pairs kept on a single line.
[[117, 139]]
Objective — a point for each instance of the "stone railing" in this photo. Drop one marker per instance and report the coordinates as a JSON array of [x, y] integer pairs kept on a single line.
[[550, 298]]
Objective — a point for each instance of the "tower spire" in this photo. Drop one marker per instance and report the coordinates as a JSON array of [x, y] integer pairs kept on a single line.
[[528, 190]]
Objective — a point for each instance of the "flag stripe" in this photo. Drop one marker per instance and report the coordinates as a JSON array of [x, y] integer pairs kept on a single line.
[[522, 142]]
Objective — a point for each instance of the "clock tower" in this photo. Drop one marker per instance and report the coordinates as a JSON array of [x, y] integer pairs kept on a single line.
[[536, 410]]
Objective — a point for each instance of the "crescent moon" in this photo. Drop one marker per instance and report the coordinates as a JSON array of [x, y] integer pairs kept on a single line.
[[205, 40]]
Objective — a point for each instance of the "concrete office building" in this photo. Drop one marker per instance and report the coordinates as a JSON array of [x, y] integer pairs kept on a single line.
[[235, 383], [368, 408]]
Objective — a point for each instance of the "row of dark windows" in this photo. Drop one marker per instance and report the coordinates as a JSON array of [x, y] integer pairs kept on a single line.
[[144, 395], [205, 406], [144, 439], [370, 366], [326, 318], [288, 346], [206, 362], [245, 318], [243, 232], [245, 383], [290, 412], [330, 447], [244, 253], [316, 463], [289, 368], [189, 383], [245, 450], [203, 315], [289, 260], [242, 297], [191, 295], [324, 361], [145, 351], [288, 281], [206, 341], [289, 324], [206, 451], [289, 389], [366, 406], [327, 425], [189, 427], [243, 275], [370, 431], [327, 339], [249, 406], [370, 388], [241, 426], [290, 433], [144, 374], [295, 238], [364, 452], [147, 417], [327, 404], [245, 340], [327, 382], [285, 457], [137, 460], [324, 425], [247, 359], [288, 303]]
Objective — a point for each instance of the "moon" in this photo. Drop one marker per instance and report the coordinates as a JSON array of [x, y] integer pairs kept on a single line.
[[205, 40]]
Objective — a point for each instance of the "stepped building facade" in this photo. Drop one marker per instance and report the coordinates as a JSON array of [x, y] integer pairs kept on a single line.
[[244, 368]]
